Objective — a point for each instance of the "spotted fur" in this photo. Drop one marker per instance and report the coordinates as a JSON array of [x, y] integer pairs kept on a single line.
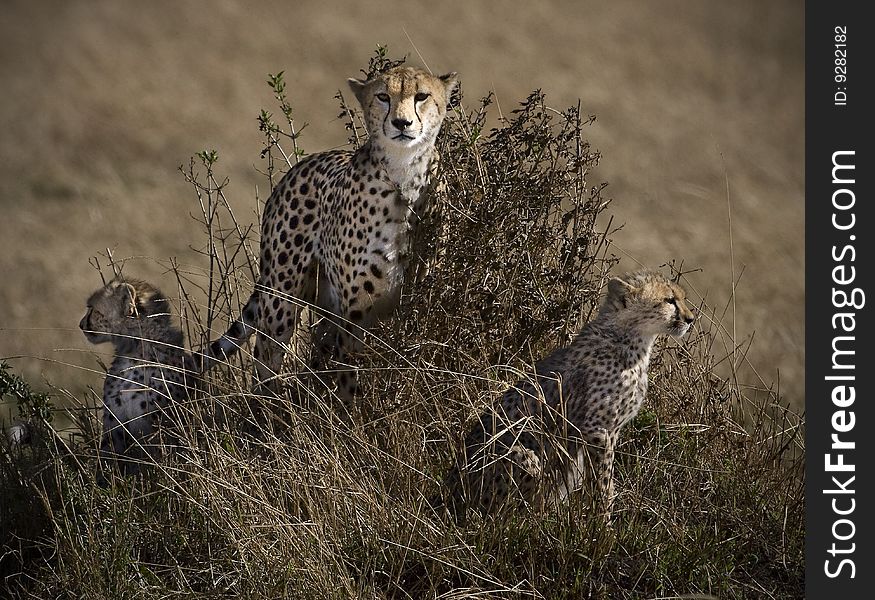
[[147, 374], [336, 229], [545, 434]]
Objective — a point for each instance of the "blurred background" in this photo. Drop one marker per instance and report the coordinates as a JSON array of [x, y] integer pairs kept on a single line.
[[700, 122]]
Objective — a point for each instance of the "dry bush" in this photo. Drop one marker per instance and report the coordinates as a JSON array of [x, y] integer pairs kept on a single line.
[[508, 266]]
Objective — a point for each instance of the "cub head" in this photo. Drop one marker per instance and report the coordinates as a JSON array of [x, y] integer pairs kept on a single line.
[[121, 307], [404, 106], [650, 303]]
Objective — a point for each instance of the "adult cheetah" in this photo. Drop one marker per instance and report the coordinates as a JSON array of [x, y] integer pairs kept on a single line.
[[545, 434], [335, 230], [147, 373]]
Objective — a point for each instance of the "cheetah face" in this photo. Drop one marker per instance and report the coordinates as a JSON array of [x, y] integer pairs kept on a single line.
[[113, 309], [404, 107], [96, 326], [102, 314], [652, 304], [681, 316]]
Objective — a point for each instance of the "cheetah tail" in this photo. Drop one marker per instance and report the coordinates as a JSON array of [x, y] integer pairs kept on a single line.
[[227, 345]]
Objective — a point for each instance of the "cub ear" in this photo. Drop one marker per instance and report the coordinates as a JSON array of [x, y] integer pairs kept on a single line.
[[128, 299], [451, 82], [358, 88], [619, 289]]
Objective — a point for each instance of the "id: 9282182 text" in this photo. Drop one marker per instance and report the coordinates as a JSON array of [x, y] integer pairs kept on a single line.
[[840, 98]]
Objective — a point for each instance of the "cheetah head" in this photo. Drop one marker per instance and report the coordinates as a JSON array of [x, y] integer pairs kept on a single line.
[[404, 107], [650, 303], [119, 308]]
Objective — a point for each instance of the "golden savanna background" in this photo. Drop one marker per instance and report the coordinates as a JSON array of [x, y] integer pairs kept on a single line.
[[699, 110]]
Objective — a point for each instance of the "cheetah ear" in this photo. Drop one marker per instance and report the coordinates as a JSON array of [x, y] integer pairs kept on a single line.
[[358, 88], [451, 82], [128, 299], [619, 289]]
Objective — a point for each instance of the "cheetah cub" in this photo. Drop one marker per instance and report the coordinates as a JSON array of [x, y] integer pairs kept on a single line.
[[547, 434], [336, 229], [147, 373]]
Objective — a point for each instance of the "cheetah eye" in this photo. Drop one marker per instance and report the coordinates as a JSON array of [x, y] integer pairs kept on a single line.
[[421, 96], [383, 97], [671, 301]]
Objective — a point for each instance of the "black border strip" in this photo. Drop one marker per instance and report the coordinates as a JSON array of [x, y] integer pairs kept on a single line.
[[840, 562]]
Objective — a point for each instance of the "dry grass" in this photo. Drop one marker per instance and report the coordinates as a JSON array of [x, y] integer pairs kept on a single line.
[[317, 507]]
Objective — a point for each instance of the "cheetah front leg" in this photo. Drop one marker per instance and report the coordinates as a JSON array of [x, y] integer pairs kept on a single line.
[[325, 330], [337, 337], [600, 446], [333, 352], [350, 342], [366, 300]]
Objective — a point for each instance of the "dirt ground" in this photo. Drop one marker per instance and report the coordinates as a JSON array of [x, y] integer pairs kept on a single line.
[[699, 111]]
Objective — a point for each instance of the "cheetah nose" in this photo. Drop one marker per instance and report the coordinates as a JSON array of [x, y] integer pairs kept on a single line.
[[401, 124], [689, 319]]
